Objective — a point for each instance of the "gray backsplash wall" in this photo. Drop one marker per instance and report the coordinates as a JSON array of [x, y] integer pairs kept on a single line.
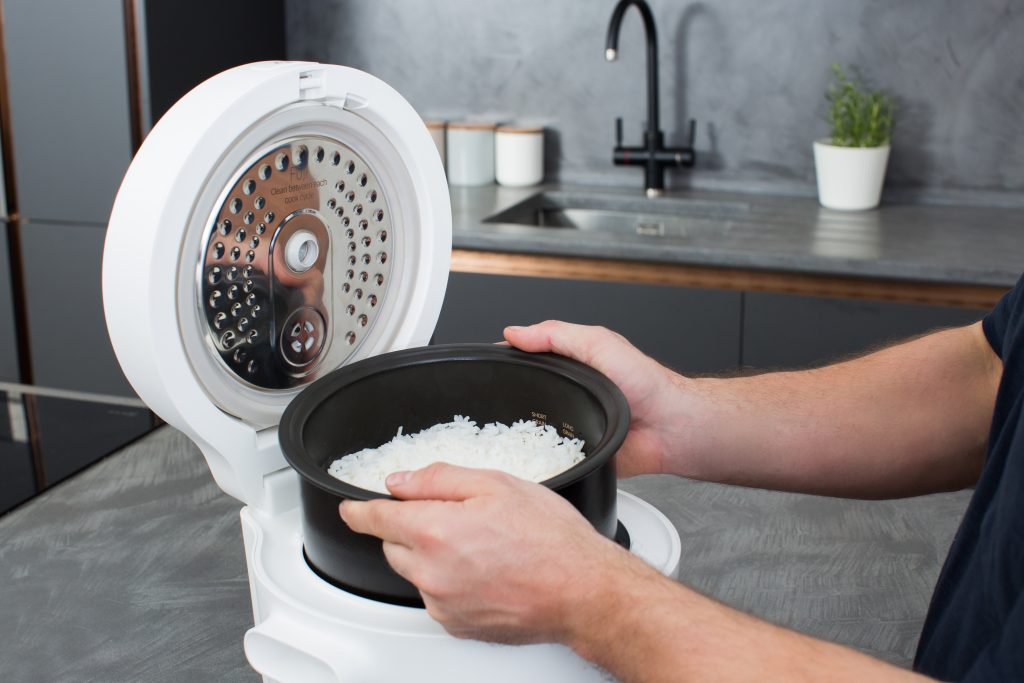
[[751, 73]]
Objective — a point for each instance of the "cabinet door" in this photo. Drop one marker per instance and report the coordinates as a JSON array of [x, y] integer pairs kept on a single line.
[[75, 434], [231, 32], [68, 85], [69, 344], [787, 331], [693, 331], [17, 478], [8, 339]]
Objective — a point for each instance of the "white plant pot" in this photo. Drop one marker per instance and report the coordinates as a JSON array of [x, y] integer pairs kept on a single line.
[[849, 178]]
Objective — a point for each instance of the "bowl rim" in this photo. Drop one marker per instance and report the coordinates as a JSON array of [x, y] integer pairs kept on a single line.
[[299, 410]]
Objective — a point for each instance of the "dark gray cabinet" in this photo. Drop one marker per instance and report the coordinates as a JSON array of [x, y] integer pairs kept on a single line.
[[17, 477], [693, 331], [8, 339], [789, 331], [219, 35], [80, 73], [70, 346], [68, 88], [75, 434]]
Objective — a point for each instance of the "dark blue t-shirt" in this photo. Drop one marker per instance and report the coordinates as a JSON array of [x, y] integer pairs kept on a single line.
[[975, 626]]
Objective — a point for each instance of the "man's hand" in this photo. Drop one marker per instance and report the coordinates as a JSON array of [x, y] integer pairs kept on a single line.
[[655, 394], [501, 559], [904, 421], [494, 557]]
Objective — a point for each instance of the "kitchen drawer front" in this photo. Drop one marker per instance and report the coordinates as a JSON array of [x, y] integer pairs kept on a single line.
[[17, 477], [75, 434], [694, 331], [787, 331], [68, 335], [68, 85], [8, 327]]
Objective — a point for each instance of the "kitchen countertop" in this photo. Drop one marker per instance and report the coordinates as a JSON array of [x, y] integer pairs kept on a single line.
[[921, 243], [134, 570]]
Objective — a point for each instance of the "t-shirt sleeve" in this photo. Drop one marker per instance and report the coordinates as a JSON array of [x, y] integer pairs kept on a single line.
[[1003, 659], [1003, 317]]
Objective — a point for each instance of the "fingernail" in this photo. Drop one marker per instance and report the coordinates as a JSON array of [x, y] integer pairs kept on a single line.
[[513, 328], [341, 510], [397, 478]]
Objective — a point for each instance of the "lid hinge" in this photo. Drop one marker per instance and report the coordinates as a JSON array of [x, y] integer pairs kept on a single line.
[[353, 102], [311, 84]]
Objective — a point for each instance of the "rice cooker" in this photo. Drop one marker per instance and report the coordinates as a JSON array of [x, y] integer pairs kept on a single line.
[[282, 220]]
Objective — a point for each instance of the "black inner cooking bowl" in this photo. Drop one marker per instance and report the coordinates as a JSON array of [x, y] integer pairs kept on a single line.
[[362, 405]]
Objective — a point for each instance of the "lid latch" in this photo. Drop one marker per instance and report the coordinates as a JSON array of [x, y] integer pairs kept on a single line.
[[311, 84]]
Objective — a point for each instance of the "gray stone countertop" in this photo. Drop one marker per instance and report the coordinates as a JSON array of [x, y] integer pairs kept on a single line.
[[976, 245], [134, 569]]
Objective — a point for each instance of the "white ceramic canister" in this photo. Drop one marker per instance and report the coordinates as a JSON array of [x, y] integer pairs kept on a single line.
[[437, 133], [519, 155], [470, 148]]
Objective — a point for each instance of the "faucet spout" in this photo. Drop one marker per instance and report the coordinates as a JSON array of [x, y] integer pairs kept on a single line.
[[611, 53], [653, 155]]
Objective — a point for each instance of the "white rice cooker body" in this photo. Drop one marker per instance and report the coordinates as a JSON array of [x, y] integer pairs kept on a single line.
[[162, 267], [191, 208]]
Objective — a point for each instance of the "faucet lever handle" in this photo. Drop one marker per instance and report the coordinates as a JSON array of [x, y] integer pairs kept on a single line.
[[618, 131], [693, 132]]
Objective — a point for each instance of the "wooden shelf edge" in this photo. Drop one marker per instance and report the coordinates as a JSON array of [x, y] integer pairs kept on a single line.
[[707, 277]]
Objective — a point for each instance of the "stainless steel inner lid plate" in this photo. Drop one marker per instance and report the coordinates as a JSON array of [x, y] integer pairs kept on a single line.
[[296, 262]]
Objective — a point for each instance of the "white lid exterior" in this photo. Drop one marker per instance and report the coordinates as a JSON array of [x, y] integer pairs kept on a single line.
[[166, 197]]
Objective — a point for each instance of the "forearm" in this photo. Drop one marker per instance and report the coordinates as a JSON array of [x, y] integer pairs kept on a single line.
[[648, 629], [909, 419]]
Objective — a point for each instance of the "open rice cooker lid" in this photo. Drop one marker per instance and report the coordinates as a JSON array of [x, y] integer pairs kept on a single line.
[[281, 220]]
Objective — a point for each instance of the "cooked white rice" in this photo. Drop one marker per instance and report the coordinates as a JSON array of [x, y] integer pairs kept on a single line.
[[526, 449]]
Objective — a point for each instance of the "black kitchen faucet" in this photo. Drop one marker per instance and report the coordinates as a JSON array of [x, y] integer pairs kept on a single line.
[[653, 155]]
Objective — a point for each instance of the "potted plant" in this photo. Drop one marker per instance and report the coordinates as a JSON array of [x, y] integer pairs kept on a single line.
[[851, 163]]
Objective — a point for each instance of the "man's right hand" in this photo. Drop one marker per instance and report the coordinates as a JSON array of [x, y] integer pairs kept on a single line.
[[656, 395], [906, 420]]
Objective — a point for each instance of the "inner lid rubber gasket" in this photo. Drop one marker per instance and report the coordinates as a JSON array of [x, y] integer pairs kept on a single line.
[[296, 262]]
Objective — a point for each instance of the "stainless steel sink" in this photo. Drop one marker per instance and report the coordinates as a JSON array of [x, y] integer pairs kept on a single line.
[[612, 213]]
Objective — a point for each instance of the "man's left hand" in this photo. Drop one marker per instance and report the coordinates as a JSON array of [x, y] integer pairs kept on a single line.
[[494, 557]]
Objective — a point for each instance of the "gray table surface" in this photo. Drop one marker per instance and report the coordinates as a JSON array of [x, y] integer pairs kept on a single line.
[[981, 245], [134, 569]]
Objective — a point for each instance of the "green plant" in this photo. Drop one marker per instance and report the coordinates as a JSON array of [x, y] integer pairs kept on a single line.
[[858, 118]]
